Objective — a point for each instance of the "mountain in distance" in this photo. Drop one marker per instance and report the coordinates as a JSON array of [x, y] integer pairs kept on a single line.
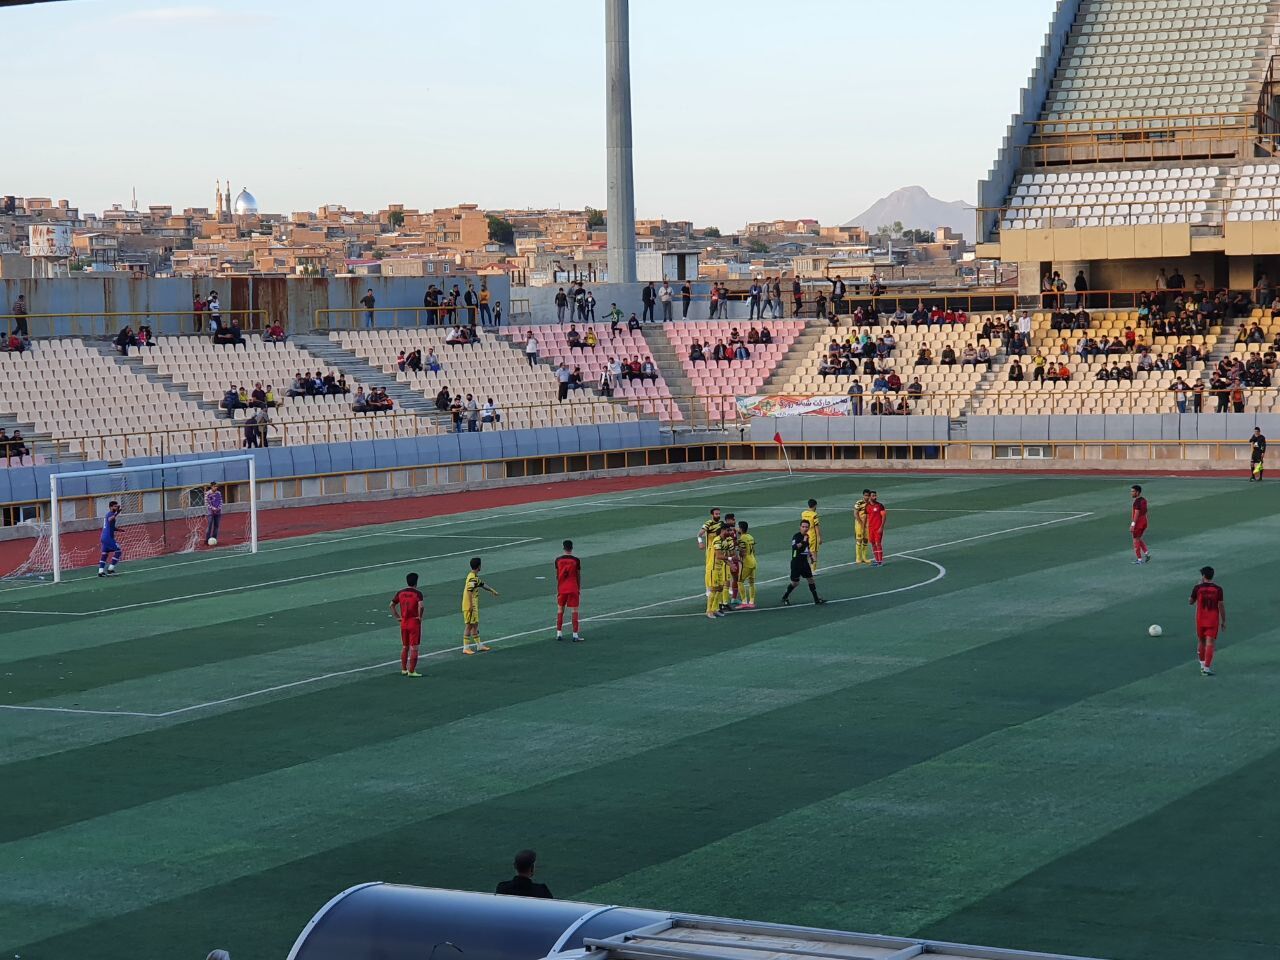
[[916, 209]]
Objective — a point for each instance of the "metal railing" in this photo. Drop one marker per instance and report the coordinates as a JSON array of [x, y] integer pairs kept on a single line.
[[108, 324]]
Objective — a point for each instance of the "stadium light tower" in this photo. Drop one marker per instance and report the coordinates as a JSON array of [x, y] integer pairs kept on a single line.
[[622, 187]]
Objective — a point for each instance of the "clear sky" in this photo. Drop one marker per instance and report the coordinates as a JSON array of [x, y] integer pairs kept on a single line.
[[743, 109]]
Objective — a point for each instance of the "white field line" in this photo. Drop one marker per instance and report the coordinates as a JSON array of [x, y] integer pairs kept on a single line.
[[309, 540], [298, 579], [615, 615]]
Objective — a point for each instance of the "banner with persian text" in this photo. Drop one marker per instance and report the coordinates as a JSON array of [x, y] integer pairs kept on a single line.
[[793, 406]]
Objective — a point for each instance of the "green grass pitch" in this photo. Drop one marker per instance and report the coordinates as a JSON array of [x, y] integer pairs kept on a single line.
[[979, 743]]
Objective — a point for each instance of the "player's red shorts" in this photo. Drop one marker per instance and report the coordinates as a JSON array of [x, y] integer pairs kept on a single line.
[[410, 632], [1139, 528], [568, 598], [1206, 629], [875, 534]]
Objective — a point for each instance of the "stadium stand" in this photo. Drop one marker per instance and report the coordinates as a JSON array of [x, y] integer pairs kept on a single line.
[[72, 391], [648, 397], [1117, 197], [717, 383], [1128, 59], [945, 388], [207, 369], [525, 395]]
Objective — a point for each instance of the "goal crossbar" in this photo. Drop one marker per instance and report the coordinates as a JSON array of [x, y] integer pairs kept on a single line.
[[56, 478]]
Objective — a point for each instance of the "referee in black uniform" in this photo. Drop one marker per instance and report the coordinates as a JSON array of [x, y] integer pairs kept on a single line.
[[800, 566], [1258, 443]]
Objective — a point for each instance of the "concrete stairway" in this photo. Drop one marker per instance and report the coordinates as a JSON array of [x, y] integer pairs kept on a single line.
[[133, 363], [990, 380], [668, 361], [408, 400], [814, 332], [42, 443]]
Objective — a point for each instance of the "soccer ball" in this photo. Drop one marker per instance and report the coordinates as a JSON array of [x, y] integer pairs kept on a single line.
[[213, 542], [1155, 630]]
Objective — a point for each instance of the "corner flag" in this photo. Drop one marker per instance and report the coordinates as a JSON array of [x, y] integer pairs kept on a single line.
[[777, 438]]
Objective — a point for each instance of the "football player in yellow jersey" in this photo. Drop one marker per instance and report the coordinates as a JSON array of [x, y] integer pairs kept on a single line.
[[861, 545], [471, 642], [747, 575], [815, 532], [733, 600], [718, 574], [706, 533]]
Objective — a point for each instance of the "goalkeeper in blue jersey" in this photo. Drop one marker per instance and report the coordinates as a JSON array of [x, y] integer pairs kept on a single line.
[[110, 549]]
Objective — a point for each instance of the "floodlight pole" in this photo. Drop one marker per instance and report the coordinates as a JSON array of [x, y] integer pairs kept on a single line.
[[622, 189]]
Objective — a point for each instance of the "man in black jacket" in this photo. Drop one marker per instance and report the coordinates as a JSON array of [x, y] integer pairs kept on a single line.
[[522, 885]]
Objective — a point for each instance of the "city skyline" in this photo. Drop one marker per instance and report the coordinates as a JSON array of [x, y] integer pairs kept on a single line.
[[733, 121]]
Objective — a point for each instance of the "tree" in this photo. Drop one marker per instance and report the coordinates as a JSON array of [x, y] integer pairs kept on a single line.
[[711, 232], [396, 219], [918, 236], [757, 246], [890, 229], [595, 218], [501, 231]]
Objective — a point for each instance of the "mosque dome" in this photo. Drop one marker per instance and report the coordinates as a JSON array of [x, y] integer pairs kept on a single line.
[[245, 204]]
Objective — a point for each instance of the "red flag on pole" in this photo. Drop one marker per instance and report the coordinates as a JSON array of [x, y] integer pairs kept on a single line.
[[777, 438]]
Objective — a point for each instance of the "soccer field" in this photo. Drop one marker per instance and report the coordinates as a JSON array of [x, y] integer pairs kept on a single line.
[[976, 742]]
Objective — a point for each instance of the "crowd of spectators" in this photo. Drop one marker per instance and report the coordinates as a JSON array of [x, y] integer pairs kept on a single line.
[[738, 347], [259, 398], [318, 385], [13, 448], [467, 410], [375, 401]]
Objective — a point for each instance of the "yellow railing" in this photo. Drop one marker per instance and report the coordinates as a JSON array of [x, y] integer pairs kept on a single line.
[[108, 324]]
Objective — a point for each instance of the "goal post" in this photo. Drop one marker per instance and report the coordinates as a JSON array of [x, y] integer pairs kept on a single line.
[[155, 498]]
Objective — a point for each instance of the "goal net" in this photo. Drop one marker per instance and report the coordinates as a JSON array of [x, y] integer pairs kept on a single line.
[[164, 508]]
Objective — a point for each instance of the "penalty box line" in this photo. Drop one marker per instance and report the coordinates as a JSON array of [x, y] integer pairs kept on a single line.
[[598, 618], [258, 584]]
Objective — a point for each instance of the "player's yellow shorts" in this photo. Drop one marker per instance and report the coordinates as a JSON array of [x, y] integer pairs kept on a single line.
[[471, 617], [748, 571]]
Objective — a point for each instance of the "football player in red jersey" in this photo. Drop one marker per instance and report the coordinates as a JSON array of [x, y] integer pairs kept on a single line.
[[406, 606], [568, 589], [1211, 616], [1138, 525]]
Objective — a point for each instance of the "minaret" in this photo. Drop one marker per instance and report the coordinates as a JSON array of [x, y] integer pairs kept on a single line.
[[622, 189], [217, 199]]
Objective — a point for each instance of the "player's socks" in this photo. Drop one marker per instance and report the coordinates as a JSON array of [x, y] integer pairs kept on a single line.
[[559, 621], [813, 589], [1208, 655], [786, 597], [575, 623], [1200, 652], [559, 635], [413, 660], [481, 645], [404, 659]]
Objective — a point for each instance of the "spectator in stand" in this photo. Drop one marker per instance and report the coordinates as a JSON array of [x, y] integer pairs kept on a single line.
[[573, 338], [741, 352], [443, 400], [765, 335], [457, 337], [984, 356], [686, 297], [968, 356], [1237, 396], [1015, 371], [1180, 391], [633, 323], [720, 353], [575, 379], [272, 400], [648, 297], [227, 335], [924, 357], [231, 401], [145, 337], [472, 303], [252, 435], [562, 377], [696, 354], [490, 414], [214, 309], [1264, 293], [275, 333], [530, 348], [198, 307], [125, 339], [20, 314], [665, 296], [635, 368], [497, 313], [18, 449], [647, 369], [589, 340], [368, 301], [855, 398], [360, 402], [915, 389], [473, 415], [562, 304], [401, 360], [714, 302], [486, 315], [298, 388], [258, 397], [591, 307], [614, 316], [894, 381], [455, 413], [607, 381], [413, 361]]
